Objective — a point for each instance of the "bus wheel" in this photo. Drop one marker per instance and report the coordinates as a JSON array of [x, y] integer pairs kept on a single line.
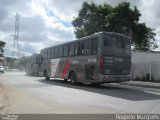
[[66, 80], [46, 76], [73, 78]]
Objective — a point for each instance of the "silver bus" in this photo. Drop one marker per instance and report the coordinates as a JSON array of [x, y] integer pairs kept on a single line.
[[99, 58], [34, 64]]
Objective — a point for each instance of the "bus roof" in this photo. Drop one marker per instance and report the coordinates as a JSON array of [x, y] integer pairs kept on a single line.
[[83, 38]]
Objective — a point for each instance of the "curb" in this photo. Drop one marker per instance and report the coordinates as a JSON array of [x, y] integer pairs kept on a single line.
[[140, 85]]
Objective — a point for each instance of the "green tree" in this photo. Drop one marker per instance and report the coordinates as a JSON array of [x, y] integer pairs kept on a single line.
[[91, 19], [23, 61], [122, 18], [2, 44], [143, 37]]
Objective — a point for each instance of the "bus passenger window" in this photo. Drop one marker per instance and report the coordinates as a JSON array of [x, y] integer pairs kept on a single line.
[[49, 53], [36, 60], [52, 52], [65, 49], [60, 51], [76, 48], [71, 49], [46, 53], [95, 46], [82, 48], [56, 52], [87, 47]]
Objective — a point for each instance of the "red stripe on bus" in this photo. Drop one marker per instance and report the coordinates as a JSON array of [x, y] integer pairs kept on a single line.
[[66, 67]]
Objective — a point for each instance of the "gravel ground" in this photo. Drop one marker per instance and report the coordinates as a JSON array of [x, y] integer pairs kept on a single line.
[[1, 98]]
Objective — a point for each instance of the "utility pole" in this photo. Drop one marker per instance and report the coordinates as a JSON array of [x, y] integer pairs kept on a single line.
[[16, 37]]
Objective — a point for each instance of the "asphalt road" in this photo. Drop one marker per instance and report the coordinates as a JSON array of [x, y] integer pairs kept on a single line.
[[28, 94]]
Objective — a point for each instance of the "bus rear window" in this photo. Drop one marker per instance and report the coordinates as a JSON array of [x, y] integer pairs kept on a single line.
[[116, 41], [113, 41]]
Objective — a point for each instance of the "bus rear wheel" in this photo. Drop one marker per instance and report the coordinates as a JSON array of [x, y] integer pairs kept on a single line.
[[73, 78], [46, 76]]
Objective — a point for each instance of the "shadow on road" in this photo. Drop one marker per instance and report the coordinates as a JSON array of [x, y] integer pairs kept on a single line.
[[33, 75], [109, 90]]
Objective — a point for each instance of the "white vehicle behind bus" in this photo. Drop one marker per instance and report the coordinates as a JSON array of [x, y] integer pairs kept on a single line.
[[2, 69]]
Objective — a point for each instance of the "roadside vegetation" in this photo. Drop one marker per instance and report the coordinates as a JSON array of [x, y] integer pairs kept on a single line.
[[2, 44]]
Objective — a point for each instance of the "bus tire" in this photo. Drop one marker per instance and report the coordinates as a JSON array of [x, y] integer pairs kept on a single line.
[[66, 80], [46, 76], [72, 78]]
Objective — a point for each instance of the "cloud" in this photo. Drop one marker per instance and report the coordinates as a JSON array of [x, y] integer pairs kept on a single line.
[[34, 24], [3, 14], [48, 22]]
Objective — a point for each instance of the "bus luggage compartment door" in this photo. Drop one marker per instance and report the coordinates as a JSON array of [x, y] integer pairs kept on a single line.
[[89, 72]]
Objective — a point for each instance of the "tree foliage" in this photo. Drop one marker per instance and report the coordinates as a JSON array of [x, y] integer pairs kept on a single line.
[[23, 61], [122, 18], [2, 44]]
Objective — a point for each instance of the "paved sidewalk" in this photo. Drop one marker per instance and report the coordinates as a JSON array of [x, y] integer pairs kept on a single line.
[[142, 84]]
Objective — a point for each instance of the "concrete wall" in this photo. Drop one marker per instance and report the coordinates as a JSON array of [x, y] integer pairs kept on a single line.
[[144, 63]]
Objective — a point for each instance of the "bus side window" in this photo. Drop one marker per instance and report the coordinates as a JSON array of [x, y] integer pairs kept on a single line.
[[52, 52], [87, 47], [48, 53], [60, 51], [94, 46], [65, 49], [56, 52], [36, 59], [76, 49], [71, 49], [41, 59], [41, 53], [82, 48]]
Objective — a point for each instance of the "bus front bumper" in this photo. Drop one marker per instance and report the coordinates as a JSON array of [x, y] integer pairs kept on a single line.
[[114, 78]]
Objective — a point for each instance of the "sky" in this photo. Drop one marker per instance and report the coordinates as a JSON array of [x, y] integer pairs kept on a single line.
[[44, 23]]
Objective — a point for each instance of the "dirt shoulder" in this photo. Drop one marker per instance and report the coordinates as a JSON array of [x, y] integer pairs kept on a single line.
[[15, 101], [2, 96]]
